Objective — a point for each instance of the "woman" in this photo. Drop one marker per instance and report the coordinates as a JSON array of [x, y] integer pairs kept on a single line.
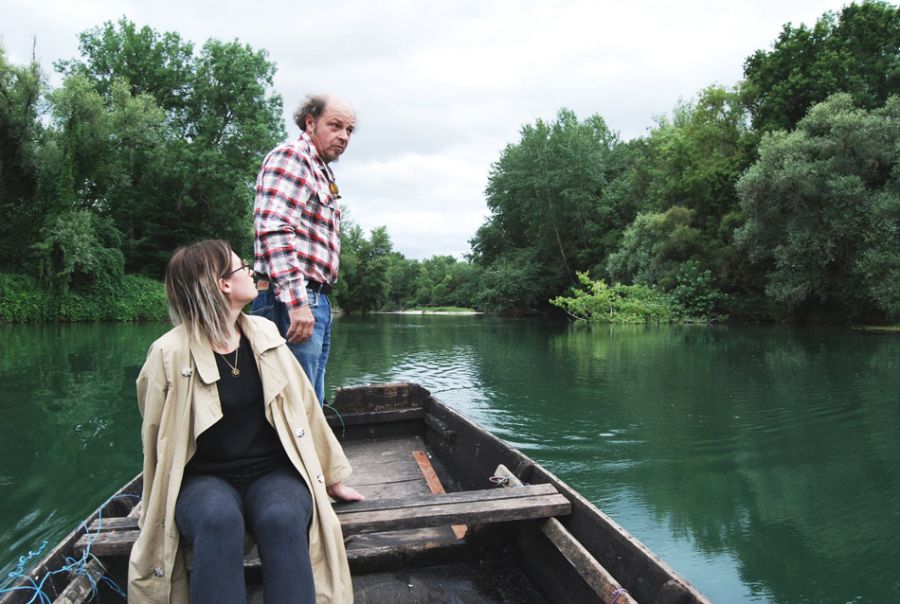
[[234, 442]]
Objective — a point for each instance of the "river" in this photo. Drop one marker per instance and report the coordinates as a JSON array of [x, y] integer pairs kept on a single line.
[[761, 463]]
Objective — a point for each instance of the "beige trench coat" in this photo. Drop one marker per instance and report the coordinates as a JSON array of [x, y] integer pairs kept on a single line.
[[178, 399]]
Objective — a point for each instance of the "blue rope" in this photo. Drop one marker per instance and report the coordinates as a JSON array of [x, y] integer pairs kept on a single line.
[[77, 566]]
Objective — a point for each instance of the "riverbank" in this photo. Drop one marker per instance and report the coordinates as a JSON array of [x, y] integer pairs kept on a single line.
[[461, 312], [134, 298], [885, 328]]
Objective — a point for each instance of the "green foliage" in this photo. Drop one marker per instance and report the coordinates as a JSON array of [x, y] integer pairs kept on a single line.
[[598, 302], [191, 145], [653, 247], [23, 299], [853, 52], [507, 285], [879, 262], [363, 286], [20, 137], [695, 292], [811, 201], [135, 298], [80, 249], [546, 196]]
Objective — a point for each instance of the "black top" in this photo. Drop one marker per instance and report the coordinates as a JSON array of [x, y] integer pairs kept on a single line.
[[242, 445]]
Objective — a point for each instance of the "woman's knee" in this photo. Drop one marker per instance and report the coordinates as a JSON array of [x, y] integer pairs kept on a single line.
[[209, 512], [282, 518]]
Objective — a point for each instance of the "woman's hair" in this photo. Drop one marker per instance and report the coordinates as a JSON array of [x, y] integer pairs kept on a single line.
[[192, 289]]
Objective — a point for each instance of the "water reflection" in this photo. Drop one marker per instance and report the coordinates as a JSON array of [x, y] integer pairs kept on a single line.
[[768, 452], [758, 462], [71, 428]]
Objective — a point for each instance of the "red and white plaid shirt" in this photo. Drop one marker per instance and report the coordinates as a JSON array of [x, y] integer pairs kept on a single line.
[[297, 220]]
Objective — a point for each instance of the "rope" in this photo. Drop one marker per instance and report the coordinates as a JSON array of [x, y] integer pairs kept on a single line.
[[616, 594], [499, 480], [75, 566], [336, 412]]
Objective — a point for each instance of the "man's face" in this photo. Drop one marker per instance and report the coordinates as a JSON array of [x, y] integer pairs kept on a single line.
[[331, 132]]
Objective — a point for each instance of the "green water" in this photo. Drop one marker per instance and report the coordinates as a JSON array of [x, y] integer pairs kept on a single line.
[[760, 462]]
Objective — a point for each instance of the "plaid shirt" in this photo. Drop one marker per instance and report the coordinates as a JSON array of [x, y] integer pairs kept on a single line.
[[296, 220]]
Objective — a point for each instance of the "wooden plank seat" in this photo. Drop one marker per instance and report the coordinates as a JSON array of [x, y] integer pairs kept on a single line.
[[115, 536]]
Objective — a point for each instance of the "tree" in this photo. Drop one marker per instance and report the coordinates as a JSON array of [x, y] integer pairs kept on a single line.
[[854, 52], [694, 160], [220, 117], [364, 284], [654, 246], [21, 136], [817, 204], [545, 194]]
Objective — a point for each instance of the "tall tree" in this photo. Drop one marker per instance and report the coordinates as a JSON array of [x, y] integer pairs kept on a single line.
[[545, 194], [854, 52], [364, 285], [813, 201], [220, 118], [21, 136]]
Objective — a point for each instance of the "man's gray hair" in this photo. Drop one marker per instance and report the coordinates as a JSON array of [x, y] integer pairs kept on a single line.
[[314, 105]]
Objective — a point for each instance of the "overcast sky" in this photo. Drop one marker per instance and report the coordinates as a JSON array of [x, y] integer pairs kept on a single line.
[[440, 88]]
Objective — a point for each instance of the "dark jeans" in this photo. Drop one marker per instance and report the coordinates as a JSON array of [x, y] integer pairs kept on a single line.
[[212, 516], [313, 353]]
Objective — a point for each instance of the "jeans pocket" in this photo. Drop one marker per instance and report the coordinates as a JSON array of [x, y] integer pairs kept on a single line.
[[312, 298]]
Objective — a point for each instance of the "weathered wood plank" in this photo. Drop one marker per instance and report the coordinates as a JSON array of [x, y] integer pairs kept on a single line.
[[392, 490], [81, 587], [495, 505], [601, 581], [410, 504], [399, 395], [434, 484], [465, 512], [375, 417]]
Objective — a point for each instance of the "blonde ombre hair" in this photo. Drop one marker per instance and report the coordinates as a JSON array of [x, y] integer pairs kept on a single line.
[[192, 289]]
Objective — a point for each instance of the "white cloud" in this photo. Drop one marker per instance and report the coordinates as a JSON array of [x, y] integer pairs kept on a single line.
[[441, 88]]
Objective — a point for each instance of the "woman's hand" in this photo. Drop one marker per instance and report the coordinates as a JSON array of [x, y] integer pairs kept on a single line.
[[342, 492]]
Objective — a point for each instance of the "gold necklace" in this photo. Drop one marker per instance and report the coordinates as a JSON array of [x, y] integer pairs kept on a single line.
[[234, 368]]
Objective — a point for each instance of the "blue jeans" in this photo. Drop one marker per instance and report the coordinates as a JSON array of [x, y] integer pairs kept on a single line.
[[212, 516], [313, 353]]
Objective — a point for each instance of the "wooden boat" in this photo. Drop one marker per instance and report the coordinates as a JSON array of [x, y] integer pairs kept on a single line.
[[453, 514]]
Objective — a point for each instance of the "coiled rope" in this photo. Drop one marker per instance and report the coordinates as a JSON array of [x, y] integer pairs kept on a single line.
[[73, 566]]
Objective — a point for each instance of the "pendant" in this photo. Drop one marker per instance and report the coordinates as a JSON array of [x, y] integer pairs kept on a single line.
[[333, 188], [235, 372]]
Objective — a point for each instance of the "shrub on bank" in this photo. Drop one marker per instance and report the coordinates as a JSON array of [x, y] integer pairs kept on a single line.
[[22, 300], [598, 302], [134, 298]]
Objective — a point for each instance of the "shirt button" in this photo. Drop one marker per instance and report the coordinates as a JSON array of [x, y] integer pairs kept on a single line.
[[301, 433], [319, 477], [158, 571]]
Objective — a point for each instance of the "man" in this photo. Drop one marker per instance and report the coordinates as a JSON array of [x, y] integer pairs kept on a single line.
[[297, 231]]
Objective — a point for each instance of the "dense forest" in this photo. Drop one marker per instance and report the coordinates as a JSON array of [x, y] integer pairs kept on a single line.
[[777, 198]]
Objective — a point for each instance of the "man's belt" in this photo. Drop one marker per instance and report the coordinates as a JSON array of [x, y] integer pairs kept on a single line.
[[320, 288], [263, 283]]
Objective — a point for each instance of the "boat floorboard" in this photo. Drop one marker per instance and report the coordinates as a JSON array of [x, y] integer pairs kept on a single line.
[[494, 581], [386, 469]]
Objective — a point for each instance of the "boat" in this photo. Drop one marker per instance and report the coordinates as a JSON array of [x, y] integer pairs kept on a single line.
[[453, 514]]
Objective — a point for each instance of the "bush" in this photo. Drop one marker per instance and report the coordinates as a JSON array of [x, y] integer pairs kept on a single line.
[[134, 298], [601, 303], [696, 293], [22, 299]]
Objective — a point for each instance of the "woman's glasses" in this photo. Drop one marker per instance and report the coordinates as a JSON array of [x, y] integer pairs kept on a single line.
[[245, 264]]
